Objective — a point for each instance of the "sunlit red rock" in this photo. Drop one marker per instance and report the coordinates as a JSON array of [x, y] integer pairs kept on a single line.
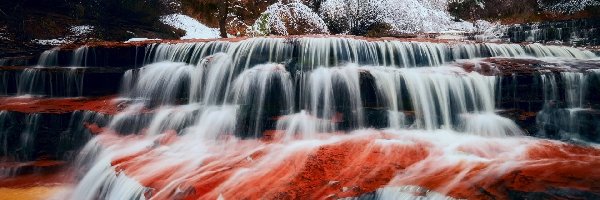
[[350, 166], [58, 105]]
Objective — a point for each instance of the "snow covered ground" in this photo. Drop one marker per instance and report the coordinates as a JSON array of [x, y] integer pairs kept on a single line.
[[77, 32], [192, 27], [141, 40]]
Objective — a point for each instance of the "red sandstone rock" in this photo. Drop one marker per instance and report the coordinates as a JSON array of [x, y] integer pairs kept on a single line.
[[58, 105], [357, 165]]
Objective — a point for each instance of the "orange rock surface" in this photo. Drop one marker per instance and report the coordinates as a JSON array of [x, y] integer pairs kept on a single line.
[[348, 166], [58, 105]]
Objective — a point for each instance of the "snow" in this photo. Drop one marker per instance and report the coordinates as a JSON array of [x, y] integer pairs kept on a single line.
[[279, 18], [193, 28], [77, 32], [81, 30], [141, 40], [53, 42], [488, 31], [568, 6], [403, 16]]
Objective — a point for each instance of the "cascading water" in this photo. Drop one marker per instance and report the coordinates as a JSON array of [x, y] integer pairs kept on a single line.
[[49, 58], [310, 53], [80, 56], [49, 79], [563, 121], [264, 118], [329, 91]]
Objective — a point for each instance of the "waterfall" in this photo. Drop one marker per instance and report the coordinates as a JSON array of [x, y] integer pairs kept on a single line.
[[310, 53], [574, 87], [211, 82], [312, 118], [266, 91], [28, 138], [43, 81], [4, 76], [325, 88], [49, 57], [549, 85], [5, 134], [161, 82], [80, 56], [562, 120], [437, 94]]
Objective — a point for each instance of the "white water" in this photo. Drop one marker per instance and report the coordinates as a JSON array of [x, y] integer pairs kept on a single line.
[[331, 52], [211, 94]]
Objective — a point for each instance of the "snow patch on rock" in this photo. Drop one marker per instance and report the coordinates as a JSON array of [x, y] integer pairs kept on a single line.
[[81, 30], [192, 27], [78, 32], [141, 40], [52, 42]]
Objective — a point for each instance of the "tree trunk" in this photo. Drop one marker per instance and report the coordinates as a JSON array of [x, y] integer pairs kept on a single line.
[[222, 27], [223, 12]]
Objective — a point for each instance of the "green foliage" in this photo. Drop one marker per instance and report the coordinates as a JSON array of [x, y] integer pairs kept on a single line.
[[261, 26]]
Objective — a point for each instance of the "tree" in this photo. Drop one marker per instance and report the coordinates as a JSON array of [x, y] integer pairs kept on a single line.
[[358, 17], [292, 18], [223, 13], [220, 12], [354, 17], [567, 6]]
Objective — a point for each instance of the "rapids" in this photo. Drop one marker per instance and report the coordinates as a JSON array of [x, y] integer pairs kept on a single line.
[[321, 118]]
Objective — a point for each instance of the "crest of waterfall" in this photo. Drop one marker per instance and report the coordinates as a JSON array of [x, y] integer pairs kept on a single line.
[[128, 82], [27, 141], [437, 94], [49, 57], [549, 86], [33, 81], [328, 52], [264, 91], [49, 81], [80, 56], [539, 50], [245, 53], [470, 51], [211, 80], [160, 83], [306, 54], [575, 84], [74, 81]]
